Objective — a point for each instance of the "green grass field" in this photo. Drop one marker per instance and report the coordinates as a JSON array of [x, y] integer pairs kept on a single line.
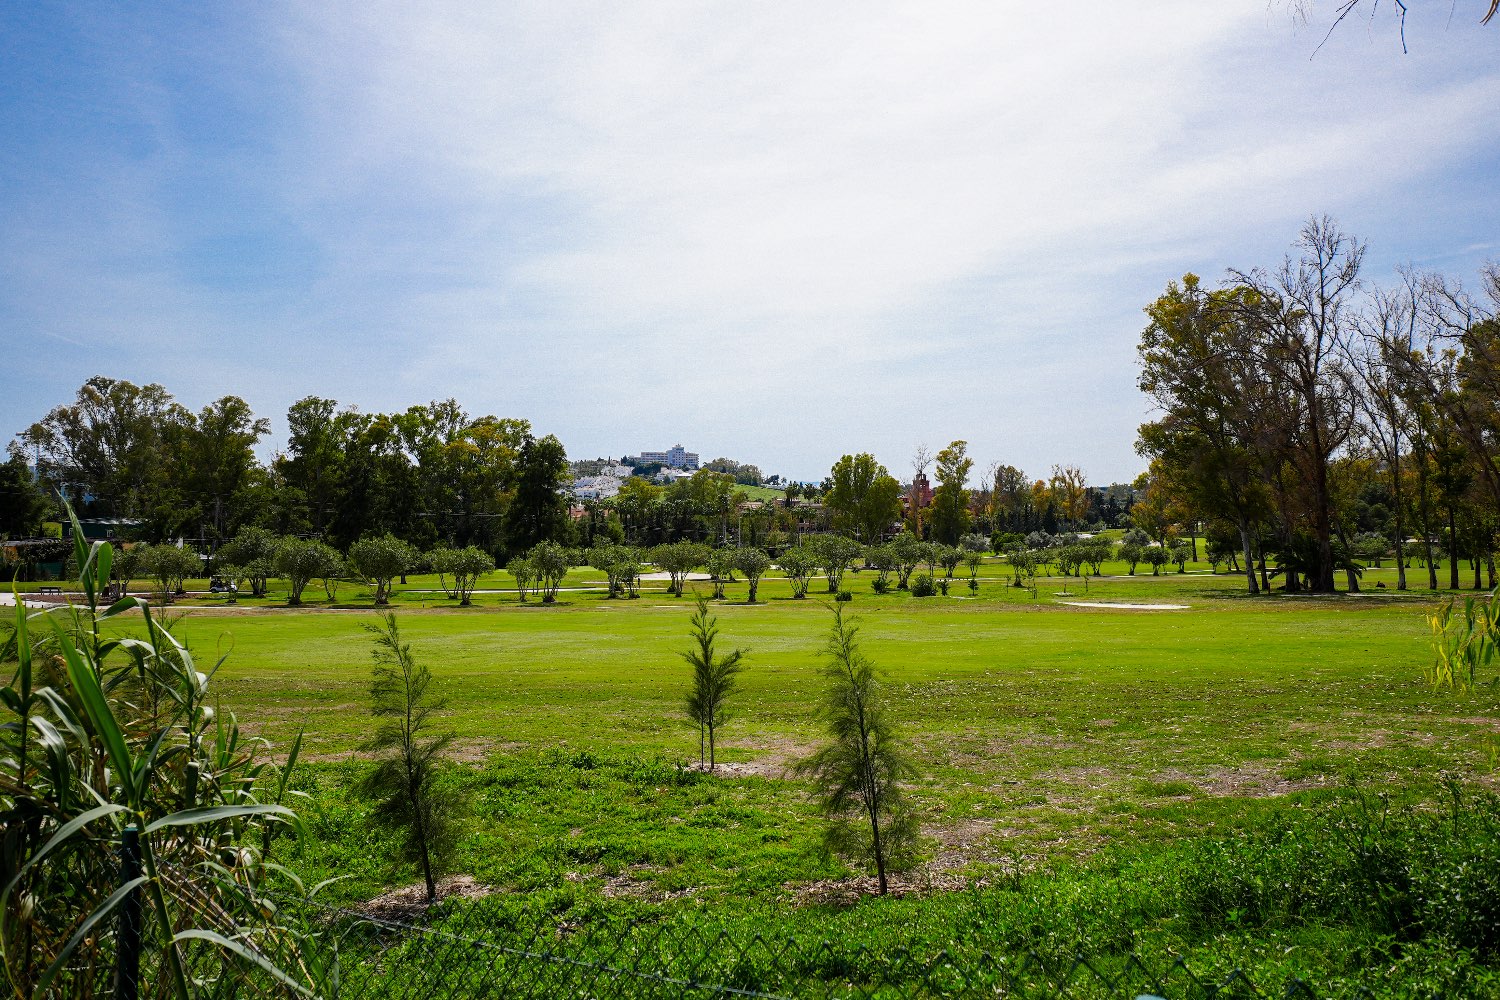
[[1043, 730]]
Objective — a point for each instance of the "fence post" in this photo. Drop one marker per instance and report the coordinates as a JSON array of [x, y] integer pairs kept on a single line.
[[128, 949]]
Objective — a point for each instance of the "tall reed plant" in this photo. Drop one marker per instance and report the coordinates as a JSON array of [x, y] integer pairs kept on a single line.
[[106, 732]]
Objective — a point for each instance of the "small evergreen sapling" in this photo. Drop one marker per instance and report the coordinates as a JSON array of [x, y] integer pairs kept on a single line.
[[404, 783], [858, 773], [713, 681]]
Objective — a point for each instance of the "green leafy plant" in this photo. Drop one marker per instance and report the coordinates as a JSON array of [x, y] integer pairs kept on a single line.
[[300, 561], [109, 734], [799, 564], [1464, 640]]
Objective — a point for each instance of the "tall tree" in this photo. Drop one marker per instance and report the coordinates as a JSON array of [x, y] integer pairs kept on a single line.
[[221, 464], [864, 497], [538, 510], [921, 461], [24, 505], [1303, 319], [1070, 491], [1377, 358], [1010, 498], [313, 461], [108, 451], [1199, 366], [950, 518]]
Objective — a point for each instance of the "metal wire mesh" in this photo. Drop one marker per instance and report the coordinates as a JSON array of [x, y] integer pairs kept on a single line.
[[461, 949]]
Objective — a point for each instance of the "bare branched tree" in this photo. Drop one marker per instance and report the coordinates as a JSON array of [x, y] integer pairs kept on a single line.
[[1305, 318], [1302, 10], [1377, 357], [921, 461]]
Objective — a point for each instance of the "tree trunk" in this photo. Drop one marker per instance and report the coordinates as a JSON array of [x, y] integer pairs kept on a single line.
[[1320, 580], [1452, 548], [1249, 560], [874, 811], [1351, 575], [1400, 540], [1424, 513]]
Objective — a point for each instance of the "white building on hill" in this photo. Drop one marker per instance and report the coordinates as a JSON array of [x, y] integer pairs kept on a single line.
[[675, 457]]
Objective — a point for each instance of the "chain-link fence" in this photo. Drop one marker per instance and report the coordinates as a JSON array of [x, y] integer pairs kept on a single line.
[[489, 947]]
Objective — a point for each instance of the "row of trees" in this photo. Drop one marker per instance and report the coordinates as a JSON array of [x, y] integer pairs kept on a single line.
[[866, 501], [429, 475], [1296, 400]]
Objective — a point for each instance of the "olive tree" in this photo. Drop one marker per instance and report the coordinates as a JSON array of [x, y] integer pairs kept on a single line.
[[254, 549], [753, 563], [524, 570], [908, 552], [552, 562], [720, 570], [380, 560], [679, 559], [883, 561], [834, 553], [168, 566], [799, 564], [465, 566], [300, 561]]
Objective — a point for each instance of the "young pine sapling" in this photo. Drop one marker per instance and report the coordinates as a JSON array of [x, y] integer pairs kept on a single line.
[[405, 782], [858, 773], [713, 681]]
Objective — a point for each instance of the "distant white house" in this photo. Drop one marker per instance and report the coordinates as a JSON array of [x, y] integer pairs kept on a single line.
[[672, 475], [596, 487]]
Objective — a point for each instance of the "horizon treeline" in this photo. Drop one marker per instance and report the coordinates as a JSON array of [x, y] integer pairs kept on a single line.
[[431, 474]]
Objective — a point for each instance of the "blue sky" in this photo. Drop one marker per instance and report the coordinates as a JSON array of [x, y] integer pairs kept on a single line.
[[774, 232]]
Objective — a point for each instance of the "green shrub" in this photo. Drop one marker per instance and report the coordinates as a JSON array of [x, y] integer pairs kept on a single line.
[[923, 586], [199, 794], [842, 596]]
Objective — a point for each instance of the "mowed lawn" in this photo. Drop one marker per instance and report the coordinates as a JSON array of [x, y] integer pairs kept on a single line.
[[1033, 723]]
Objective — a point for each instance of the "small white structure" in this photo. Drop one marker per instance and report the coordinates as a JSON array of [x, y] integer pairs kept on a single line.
[[596, 487]]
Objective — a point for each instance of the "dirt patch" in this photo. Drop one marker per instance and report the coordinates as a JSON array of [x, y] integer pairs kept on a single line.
[[630, 884], [409, 903], [776, 760], [923, 881]]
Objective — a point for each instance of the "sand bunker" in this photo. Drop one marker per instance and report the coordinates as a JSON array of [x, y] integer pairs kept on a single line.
[[1125, 607]]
